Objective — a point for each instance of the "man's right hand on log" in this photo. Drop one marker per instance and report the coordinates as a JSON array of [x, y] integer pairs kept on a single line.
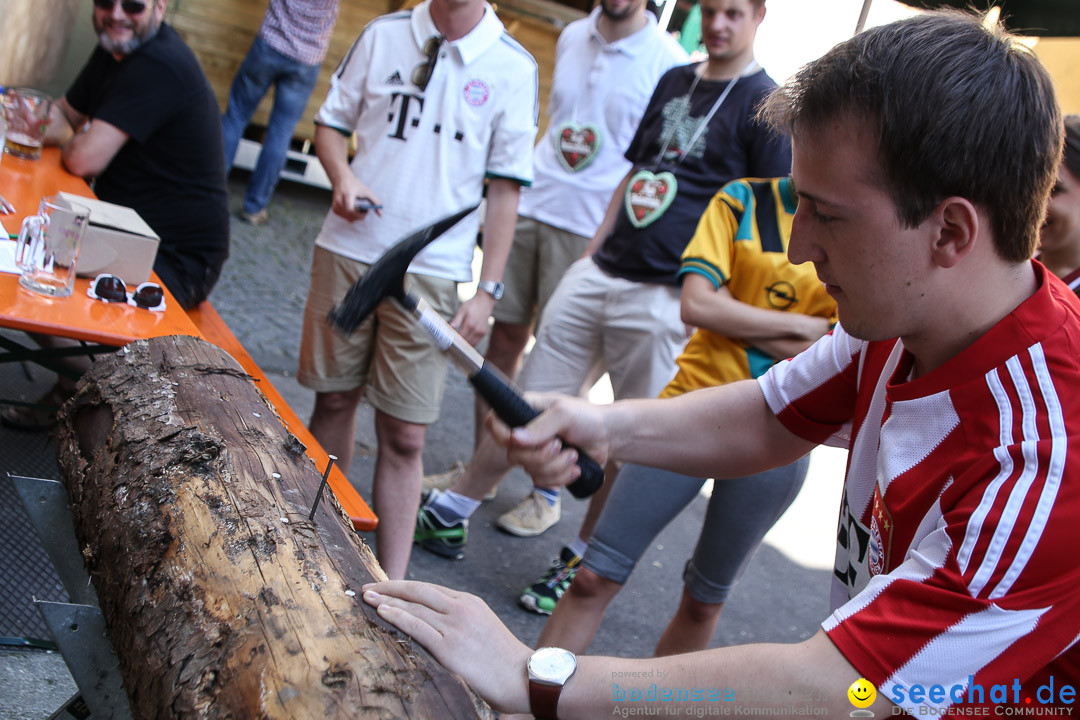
[[463, 634]]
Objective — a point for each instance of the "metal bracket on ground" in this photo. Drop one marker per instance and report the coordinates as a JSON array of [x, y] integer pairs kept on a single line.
[[46, 504], [79, 627], [79, 631]]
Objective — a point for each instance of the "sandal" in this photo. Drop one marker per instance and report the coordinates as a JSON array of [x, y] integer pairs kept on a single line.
[[39, 416]]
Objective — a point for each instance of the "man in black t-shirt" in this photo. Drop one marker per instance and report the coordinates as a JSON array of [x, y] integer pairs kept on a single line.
[[618, 309], [142, 119]]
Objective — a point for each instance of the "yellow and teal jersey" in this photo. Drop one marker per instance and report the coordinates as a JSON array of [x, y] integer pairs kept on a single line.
[[741, 243]]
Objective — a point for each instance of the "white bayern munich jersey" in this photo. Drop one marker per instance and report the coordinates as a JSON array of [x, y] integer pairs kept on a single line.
[[426, 153], [606, 86], [956, 558]]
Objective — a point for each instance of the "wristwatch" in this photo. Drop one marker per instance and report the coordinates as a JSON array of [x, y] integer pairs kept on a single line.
[[492, 288], [549, 669]]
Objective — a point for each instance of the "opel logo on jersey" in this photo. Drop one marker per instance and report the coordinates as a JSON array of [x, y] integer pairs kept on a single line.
[[781, 295]]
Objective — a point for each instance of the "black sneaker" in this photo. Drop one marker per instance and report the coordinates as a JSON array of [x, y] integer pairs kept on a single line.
[[438, 536], [540, 597]]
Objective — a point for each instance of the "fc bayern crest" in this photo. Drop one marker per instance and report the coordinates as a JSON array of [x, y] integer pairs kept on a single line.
[[476, 92], [881, 527]]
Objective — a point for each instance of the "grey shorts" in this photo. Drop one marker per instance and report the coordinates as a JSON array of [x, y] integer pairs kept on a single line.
[[740, 512]]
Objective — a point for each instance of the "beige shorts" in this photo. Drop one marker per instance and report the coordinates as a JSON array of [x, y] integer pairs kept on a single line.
[[597, 323], [538, 258], [402, 369]]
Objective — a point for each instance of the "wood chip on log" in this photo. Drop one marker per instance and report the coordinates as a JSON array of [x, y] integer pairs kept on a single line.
[[222, 599]]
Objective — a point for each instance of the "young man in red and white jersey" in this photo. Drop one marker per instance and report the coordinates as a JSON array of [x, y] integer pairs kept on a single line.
[[923, 154]]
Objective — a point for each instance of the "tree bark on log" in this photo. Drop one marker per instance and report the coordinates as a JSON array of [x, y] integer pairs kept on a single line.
[[222, 599]]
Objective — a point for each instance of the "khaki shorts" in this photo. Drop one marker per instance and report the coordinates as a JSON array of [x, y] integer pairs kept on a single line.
[[404, 372], [538, 259]]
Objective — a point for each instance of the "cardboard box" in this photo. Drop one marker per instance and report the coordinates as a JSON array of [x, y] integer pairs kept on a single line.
[[117, 241]]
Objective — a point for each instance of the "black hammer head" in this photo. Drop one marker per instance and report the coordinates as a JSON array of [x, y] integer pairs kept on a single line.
[[386, 277]]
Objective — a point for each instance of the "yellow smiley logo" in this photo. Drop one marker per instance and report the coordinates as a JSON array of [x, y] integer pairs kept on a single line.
[[862, 693]]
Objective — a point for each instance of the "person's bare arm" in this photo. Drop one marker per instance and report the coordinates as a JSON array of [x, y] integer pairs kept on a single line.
[[332, 149], [782, 348], [63, 122], [471, 319], [92, 148], [468, 639], [608, 223], [719, 432], [717, 310]]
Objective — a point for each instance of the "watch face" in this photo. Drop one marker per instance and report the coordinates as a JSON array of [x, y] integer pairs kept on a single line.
[[553, 665]]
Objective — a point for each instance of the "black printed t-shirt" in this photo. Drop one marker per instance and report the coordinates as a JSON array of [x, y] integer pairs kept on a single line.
[[172, 169], [733, 146]]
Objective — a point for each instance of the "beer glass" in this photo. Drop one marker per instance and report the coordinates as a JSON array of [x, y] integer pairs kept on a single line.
[[27, 113], [49, 245], [3, 129]]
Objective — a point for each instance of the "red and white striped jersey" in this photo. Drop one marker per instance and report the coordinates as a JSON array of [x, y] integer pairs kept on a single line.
[[958, 545]]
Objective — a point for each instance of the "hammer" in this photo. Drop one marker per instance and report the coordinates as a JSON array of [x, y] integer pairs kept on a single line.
[[386, 278]]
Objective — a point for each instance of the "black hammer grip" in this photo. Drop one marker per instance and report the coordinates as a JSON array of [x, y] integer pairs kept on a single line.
[[515, 412]]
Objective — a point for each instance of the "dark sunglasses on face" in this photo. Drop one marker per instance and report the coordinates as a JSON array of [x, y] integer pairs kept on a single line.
[[131, 7], [112, 288], [422, 73]]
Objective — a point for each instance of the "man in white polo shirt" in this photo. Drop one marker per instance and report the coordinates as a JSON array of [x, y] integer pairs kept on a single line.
[[606, 67], [440, 98]]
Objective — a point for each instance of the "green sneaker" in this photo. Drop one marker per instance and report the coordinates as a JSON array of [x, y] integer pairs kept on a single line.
[[438, 536], [540, 597]]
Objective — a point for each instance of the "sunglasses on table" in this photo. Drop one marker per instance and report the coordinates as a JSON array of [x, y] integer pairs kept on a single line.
[[131, 7], [112, 288], [421, 74]]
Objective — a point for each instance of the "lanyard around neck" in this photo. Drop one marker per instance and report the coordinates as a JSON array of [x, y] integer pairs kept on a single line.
[[708, 117]]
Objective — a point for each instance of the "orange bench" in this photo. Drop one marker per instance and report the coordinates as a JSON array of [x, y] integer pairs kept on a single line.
[[214, 329]]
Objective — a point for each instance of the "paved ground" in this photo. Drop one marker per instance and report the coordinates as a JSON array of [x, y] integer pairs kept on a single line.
[[781, 598]]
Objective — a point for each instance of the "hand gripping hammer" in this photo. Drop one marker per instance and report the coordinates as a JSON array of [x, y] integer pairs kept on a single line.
[[386, 279]]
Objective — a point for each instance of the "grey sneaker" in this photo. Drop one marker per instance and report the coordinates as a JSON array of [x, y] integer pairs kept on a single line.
[[445, 480], [256, 218], [541, 596], [531, 517]]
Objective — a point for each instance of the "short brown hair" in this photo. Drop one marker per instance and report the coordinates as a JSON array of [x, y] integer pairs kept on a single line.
[[960, 109]]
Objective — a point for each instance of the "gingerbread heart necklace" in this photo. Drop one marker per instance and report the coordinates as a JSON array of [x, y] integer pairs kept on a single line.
[[649, 193], [576, 145]]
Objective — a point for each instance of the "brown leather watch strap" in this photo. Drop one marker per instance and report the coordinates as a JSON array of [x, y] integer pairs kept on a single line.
[[544, 700]]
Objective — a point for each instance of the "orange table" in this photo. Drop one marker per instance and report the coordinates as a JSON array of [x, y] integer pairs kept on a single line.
[[23, 183], [79, 317], [215, 330]]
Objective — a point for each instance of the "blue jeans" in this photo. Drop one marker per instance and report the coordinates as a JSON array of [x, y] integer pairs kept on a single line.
[[293, 82]]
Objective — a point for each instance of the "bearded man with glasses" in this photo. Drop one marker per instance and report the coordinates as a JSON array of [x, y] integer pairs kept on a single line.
[[142, 123]]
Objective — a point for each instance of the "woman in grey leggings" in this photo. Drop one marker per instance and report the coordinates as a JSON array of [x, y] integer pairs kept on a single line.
[[751, 307], [643, 501]]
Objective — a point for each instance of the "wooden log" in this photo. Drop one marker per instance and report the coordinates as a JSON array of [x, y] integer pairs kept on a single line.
[[222, 599]]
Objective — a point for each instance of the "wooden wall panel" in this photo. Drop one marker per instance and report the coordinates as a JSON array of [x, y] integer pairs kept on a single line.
[[1061, 56], [221, 31], [33, 40]]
